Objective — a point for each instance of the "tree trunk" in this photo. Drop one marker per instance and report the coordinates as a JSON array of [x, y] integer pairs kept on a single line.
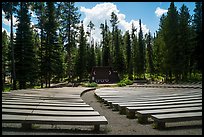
[[41, 79]]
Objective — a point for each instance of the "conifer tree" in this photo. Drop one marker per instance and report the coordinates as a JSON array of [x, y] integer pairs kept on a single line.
[[53, 50], [128, 55], [150, 54], [197, 25], [5, 57], [10, 8], [141, 53], [80, 65], [24, 48], [69, 18], [184, 42]]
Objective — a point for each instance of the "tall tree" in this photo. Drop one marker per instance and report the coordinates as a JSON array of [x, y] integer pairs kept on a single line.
[[40, 8], [141, 53], [24, 48], [9, 8], [160, 49], [80, 65], [5, 57], [91, 58], [128, 55], [134, 48], [114, 21], [69, 18], [171, 42], [184, 42], [90, 27], [197, 25], [91, 61], [105, 45], [150, 54], [52, 48], [98, 54], [119, 62]]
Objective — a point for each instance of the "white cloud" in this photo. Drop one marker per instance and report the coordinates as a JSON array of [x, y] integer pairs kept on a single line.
[[160, 11], [102, 12]]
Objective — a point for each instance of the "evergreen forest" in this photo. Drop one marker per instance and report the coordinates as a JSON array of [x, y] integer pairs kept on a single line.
[[61, 50]]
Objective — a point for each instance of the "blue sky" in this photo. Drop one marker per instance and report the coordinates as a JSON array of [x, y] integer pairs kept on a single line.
[[141, 10], [128, 13]]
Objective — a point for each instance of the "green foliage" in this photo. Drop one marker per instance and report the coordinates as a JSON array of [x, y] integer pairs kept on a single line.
[[141, 53], [5, 57], [105, 44], [7, 88], [10, 8], [121, 84], [24, 49], [127, 81], [197, 27], [60, 50], [69, 17], [92, 84], [124, 82], [81, 61]]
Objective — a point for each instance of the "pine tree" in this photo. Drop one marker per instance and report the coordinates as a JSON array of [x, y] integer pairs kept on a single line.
[[197, 25], [69, 17], [24, 48], [160, 49], [135, 49], [114, 21], [91, 60], [150, 54], [141, 53], [184, 42], [52, 48], [9, 8], [39, 9], [5, 58], [171, 42], [119, 54], [128, 55], [105, 45], [98, 54], [80, 65]]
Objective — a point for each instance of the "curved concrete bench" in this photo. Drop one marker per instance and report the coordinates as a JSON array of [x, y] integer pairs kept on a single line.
[[161, 119], [66, 109]]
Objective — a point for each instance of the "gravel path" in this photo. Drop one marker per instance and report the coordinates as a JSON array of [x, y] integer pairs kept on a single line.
[[119, 124]]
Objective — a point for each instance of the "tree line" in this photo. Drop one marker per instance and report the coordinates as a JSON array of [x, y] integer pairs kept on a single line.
[[61, 50]]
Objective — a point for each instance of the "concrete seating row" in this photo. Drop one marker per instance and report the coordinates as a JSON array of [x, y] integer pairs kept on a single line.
[[168, 107], [49, 107]]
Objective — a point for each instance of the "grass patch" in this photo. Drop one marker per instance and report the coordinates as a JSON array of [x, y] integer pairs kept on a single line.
[[92, 84], [125, 82], [7, 88]]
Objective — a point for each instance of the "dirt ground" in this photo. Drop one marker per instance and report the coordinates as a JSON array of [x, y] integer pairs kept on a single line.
[[117, 125]]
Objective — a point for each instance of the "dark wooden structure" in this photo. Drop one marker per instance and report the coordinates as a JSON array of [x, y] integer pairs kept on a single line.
[[104, 75]]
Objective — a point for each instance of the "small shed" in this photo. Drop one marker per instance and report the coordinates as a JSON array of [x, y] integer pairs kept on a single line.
[[104, 75]]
